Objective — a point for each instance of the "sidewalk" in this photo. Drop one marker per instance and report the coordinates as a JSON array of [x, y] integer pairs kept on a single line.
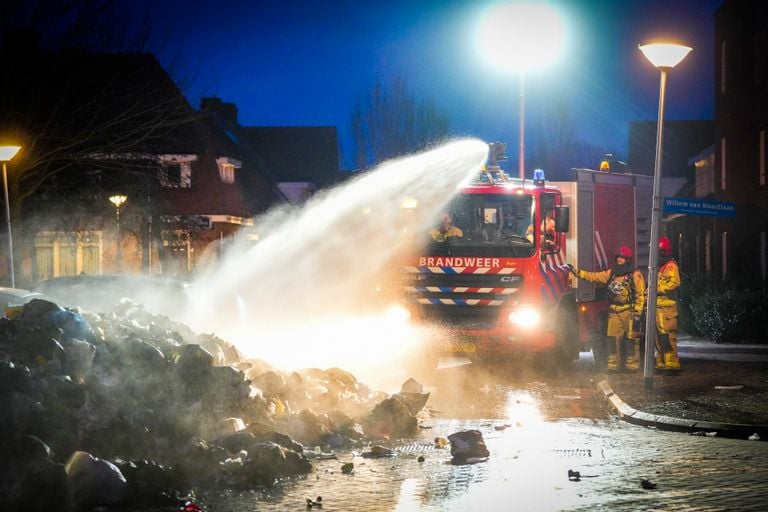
[[721, 388]]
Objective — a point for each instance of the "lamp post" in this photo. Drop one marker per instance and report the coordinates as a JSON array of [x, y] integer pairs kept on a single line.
[[519, 37], [118, 200], [664, 56], [6, 154]]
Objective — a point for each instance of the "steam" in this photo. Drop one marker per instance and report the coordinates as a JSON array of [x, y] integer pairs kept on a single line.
[[306, 293]]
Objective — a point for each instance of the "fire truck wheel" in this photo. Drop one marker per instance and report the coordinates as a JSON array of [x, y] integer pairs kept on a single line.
[[566, 334], [599, 348]]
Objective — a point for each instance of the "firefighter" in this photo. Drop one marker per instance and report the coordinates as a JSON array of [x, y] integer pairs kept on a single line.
[[666, 308], [446, 229], [627, 287]]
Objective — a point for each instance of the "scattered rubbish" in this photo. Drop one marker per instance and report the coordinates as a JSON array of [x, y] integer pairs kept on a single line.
[[576, 476], [502, 427], [317, 502], [734, 388], [411, 386], [191, 506], [441, 442], [754, 437], [377, 452], [647, 484], [704, 433], [348, 468], [468, 446], [420, 459], [319, 455]]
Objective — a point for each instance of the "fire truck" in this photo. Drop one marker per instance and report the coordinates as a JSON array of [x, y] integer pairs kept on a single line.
[[503, 286]]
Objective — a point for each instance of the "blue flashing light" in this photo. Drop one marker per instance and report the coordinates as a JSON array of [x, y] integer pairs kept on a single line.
[[538, 177]]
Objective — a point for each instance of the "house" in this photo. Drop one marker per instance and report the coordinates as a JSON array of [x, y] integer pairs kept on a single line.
[[739, 245], [300, 159], [93, 126]]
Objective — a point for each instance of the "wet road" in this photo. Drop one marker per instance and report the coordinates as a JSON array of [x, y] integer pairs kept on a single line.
[[537, 427]]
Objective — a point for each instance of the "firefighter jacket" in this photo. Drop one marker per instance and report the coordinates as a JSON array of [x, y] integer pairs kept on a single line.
[[627, 290], [440, 235], [669, 282]]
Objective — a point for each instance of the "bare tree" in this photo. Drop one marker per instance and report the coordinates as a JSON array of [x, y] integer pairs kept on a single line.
[[393, 122], [559, 147], [76, 101]]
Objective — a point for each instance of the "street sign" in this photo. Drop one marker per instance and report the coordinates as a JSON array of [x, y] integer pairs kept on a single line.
[[705, 207]]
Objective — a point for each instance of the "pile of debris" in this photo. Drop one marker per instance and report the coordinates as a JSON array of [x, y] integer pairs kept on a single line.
[[130, 409]]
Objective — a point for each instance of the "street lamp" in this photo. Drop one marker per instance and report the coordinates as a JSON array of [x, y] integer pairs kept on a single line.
[[6, 154], [520, 37], [664, 56], [118, 201]]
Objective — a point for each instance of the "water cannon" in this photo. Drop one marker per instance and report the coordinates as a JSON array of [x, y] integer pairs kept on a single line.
[[538, 177], [496, 153]]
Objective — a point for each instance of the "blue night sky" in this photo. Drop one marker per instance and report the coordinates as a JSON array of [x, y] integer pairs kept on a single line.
[[304, 63]]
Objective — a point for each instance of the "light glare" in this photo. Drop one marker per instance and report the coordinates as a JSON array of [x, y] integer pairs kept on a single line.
[[525, 317], [521, 36]]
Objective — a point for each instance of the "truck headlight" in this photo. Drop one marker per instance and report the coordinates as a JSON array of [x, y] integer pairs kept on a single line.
[[398, 314], [525, 317]]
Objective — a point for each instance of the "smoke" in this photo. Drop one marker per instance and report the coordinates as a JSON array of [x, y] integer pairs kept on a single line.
[[310, 291]]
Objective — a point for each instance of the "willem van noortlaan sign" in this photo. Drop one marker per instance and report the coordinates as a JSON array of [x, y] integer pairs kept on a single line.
[[699, 207]]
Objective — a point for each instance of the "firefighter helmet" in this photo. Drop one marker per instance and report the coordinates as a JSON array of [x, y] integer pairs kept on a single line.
[[623, 252], [665, 247]]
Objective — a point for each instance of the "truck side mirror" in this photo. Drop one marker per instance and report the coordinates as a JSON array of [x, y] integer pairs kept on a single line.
[[562, 219]]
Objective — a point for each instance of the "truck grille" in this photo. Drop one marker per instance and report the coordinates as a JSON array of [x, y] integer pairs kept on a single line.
[[461, 318]]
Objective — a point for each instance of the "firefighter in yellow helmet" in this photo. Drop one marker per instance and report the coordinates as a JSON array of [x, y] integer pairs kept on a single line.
[[666, 308], [627, 287]]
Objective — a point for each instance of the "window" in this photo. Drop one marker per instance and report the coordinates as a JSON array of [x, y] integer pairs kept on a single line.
[[761, 157], [722, 67], [708, 252], [176, 170], [762, 255], [227, 168], [724, 247], [67, 253], [722, 163]]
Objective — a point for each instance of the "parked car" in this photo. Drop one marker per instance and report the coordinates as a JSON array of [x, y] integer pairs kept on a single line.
[[100, 293], [10, 297]]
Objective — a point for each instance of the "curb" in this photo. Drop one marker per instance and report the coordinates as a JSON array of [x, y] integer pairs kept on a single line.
[[631, 415]]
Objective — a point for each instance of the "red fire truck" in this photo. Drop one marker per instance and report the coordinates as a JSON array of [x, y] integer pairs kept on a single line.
[[503, 285]]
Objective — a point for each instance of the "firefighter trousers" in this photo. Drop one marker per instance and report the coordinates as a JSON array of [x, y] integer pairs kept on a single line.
[[623, 344], [666, 338]]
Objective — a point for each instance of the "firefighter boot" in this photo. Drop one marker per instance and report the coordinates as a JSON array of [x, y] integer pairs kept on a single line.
[[659, 361], [632, 355], [671, 361], [613, 345]]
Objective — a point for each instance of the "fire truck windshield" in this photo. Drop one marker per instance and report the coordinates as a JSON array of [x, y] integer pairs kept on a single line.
[[485, 224]]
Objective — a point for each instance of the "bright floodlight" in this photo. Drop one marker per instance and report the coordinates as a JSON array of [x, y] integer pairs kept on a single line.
[[664, 55], [521, 36], [8, 152]]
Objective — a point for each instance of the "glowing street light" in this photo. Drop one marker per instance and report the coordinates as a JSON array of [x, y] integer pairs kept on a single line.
[[6, 154], [519, 37], [664, 56], [118, 200]]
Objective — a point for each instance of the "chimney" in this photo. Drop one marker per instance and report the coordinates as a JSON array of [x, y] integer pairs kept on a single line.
[[224, 111]]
